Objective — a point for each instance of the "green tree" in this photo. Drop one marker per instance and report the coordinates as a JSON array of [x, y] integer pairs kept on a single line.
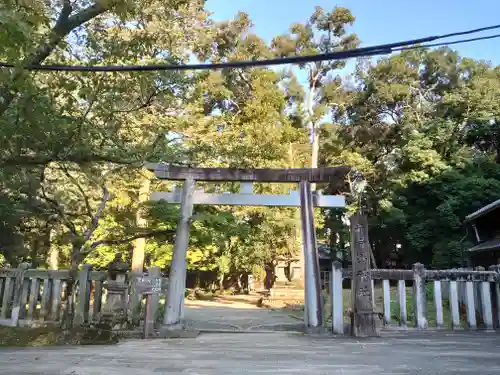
[[325, 32]]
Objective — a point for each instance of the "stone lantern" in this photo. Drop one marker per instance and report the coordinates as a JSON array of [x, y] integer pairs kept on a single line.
[[114, 312]]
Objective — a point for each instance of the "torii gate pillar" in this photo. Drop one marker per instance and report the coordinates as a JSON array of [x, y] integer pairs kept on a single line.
[[312, 290]]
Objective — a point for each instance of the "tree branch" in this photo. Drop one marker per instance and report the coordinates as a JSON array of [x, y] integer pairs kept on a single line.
[[80, 189], [95, 219], [56, 206], [31, 161], [120, 241], [64, 25], [143, 104]]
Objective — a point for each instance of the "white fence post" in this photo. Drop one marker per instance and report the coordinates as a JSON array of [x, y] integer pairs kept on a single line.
[[438, 301], [455, 313], [486, 305], [387, 302], [470, 304], [337, 301], [402, 302]]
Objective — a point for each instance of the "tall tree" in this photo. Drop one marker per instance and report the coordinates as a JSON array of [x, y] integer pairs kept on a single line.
[[325, 32]]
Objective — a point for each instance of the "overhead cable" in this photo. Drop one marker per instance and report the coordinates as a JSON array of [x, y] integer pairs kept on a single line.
[[442, 44], [383, 49]]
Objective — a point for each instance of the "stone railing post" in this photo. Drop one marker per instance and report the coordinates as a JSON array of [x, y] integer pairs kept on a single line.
[[18, 293], [496, 317], [420, 298], [336, 299], [83, 301], [114, 311]]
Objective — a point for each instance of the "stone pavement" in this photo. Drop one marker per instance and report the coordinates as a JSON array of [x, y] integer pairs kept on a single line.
[[269, 353]]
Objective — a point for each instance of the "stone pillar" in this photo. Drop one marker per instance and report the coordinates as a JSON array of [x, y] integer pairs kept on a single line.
[[114, 311], [364, 316]]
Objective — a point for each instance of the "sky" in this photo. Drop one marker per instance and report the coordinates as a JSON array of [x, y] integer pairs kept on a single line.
[[378, 21]]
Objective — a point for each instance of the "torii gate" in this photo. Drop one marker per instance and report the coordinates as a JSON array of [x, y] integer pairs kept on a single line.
[[304, 198]]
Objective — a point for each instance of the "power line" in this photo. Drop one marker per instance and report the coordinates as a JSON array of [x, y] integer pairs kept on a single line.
[[430, 45], [383, 49], [472, 31]]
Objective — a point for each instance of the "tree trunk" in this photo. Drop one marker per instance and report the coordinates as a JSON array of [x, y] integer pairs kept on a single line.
[[53, 260], [221, 282], [314, 129], [298, 227], [315, 150], [35, 248], [140, 243]]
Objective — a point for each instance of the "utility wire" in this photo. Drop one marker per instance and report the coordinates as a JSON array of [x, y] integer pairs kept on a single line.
[[383, 49], [472, 31], [430, 45]]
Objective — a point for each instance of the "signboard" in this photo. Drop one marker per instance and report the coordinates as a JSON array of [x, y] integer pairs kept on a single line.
[[170, 172], [150, 285]]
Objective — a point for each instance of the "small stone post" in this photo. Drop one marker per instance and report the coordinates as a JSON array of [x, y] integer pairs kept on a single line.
[[114, 311], [420, 299]]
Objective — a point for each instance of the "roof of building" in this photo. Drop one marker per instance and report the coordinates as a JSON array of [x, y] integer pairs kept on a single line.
[[493, 244], [483, 211]]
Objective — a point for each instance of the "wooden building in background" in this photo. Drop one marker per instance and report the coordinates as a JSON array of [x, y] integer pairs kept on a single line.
[[483, 227]]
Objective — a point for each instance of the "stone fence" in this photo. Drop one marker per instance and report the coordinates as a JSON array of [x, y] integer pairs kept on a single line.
[[473, 294], [33, 297]]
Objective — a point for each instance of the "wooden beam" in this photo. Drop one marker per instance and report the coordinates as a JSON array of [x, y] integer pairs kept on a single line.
[[317, 175]]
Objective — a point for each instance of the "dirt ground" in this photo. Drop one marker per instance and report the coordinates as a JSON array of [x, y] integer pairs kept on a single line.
[[237, 313]]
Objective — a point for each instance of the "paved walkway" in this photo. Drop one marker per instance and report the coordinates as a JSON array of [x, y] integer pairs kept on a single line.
[[268, 353]]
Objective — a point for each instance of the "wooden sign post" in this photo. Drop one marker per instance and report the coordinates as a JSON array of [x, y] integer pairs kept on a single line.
[[151, 287]]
